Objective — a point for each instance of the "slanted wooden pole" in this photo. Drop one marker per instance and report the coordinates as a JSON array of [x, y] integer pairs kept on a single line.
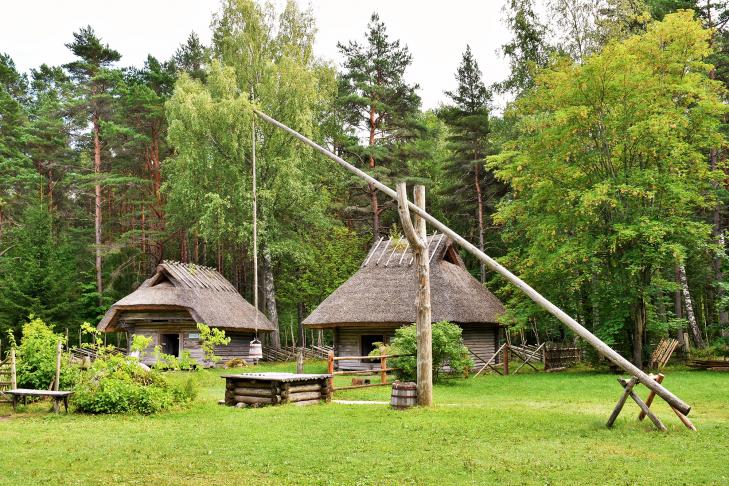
[[644, 408], [621, 402], [495, 266], [418, 238]]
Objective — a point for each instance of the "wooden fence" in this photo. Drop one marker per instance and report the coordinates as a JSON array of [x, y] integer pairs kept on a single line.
[[382, 370], [291, 353], [558, 357]]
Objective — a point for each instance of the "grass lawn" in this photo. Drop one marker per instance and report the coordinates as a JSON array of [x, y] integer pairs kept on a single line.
[[546, 428]]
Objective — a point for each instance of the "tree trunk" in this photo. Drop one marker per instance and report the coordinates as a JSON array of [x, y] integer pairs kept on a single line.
[[300, 319], [270, 295], [479, 196], [97, 219], [373, 191], [693, 325], [639, 321], [418, 239]]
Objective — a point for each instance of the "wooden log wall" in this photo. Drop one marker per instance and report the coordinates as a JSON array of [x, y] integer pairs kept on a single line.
[[241, 392], [348, 342], [479, 338], [482, 340]]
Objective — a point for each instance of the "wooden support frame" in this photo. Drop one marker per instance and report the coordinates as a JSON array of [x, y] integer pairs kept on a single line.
[[528, 358], [645, 411], [602, 348]]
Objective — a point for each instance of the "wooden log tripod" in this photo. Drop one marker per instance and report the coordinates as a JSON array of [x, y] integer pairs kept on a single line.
[[645, 410]]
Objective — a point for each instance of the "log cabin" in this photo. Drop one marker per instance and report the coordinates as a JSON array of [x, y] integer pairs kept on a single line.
[[380, 298], [168, 306]]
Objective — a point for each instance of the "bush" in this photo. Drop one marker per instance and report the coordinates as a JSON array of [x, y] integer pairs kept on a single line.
[[36, 358], [118, 384], [448, 349]]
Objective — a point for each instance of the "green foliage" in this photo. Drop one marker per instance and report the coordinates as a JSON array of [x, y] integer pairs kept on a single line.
[[118, 384], [36, 358], [448, 350], [139, 344], [37, 272], [376, 102], [609, 178], [209, 338]]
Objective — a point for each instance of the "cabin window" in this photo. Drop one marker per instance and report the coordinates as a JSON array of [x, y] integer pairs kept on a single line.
[[170, 344], [368, 343]]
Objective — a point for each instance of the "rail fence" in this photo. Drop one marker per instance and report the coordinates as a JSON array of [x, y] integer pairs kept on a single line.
[[382, 370]]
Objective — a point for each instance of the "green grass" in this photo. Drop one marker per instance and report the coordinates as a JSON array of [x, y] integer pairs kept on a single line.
[[546, 428]]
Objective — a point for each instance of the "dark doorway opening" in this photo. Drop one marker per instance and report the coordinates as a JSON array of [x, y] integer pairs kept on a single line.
[[368, 344], [170, 344]]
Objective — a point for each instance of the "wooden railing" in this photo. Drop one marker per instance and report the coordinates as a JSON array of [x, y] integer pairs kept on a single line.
[[382, 370]]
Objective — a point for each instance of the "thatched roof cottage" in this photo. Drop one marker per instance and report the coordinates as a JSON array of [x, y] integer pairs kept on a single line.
[[380, 297], [168, 306]]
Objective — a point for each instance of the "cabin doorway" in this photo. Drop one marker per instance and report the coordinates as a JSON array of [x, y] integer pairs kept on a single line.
[[367, 344], [170, 344]]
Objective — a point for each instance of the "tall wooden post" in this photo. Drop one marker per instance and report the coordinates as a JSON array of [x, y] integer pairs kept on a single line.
[[506, 360], [330, 370], [59, 349], [418, 238], [13, 372]]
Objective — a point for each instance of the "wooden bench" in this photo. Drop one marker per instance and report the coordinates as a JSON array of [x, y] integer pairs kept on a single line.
[[57, 396]]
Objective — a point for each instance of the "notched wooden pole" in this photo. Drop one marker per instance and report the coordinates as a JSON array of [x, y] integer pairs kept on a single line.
[[418, 238]]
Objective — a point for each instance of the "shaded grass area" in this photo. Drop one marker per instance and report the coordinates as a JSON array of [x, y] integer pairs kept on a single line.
[[524, 429]]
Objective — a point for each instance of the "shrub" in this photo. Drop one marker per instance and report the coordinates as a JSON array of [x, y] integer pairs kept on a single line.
[[448, 349], [36, 357], [118, 384], [209, 338]]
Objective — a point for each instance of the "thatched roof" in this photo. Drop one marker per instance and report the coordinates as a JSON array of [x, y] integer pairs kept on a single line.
[[202, 291], [385, 287]]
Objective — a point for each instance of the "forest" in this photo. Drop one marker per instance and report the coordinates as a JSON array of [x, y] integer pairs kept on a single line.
[[602, 183]]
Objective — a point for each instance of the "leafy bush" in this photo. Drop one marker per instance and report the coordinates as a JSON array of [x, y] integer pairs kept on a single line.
[[170, 362], [448, 349], [209, 338], [36, 358], [118, 384]]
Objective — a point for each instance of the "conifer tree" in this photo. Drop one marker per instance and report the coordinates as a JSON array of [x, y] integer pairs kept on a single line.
[[376, 99], [473, 186], [95, 79]]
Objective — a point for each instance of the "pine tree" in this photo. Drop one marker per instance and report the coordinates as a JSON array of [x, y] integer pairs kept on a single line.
[[16, 171], [376, 100], [95, 79], [473, 187], [528, 50], [192, 57]]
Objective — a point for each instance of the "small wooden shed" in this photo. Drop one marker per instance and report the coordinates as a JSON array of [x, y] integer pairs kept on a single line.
[[380, 298], [168, 306]]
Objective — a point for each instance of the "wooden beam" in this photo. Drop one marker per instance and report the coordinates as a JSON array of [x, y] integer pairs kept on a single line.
[[602, 348]]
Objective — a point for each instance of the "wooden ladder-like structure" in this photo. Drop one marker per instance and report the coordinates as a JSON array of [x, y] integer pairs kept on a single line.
[[7, 376]]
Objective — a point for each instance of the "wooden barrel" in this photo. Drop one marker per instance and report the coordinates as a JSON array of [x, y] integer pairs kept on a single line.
[[404, 395]]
